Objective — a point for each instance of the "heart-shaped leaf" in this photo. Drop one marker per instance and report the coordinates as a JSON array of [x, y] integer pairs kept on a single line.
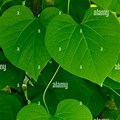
[[22, 39], [68, 109], [85, 50], [109, 4]]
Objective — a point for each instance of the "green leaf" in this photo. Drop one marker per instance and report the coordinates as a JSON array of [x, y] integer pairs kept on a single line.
[[5, 4], [115, 73], [111, 83], [9, 74], [73, 87], [113, 5], [22, 39], [85, 49], [67, 109], [76, 8], [111, 114], [33, 112], [9, 106], [48, 14]]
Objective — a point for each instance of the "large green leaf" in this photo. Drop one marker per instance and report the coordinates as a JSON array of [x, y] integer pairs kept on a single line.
[[113, 5], [85, 50], [76, 88], [9, 106], [68, 109], [76, 8], [22, 39], [9, 74]]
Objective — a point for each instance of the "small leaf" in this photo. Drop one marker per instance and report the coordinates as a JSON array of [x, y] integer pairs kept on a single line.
[[72, 110], [86, 49], [33, 112], [67, 109], [22, 39]]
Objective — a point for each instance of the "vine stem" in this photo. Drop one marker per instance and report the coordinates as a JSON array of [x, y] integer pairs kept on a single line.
[[115, 92], [68, 8], [43, 4], [48, 87]]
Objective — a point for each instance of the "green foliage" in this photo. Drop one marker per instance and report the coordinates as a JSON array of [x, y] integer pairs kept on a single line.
[[79, 89], [65, 53], [9, 106], [10, 76], [113, 5], [76, 8], [28, 49], [67, 109], [82, 48]]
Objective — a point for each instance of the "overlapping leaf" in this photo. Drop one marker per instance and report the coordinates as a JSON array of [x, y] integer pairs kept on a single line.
[[71, 87]]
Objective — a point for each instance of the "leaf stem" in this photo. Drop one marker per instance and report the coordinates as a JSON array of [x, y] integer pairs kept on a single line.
[[68, 8], [115, 92], [48, 87], [43, 4], [27, 76]]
